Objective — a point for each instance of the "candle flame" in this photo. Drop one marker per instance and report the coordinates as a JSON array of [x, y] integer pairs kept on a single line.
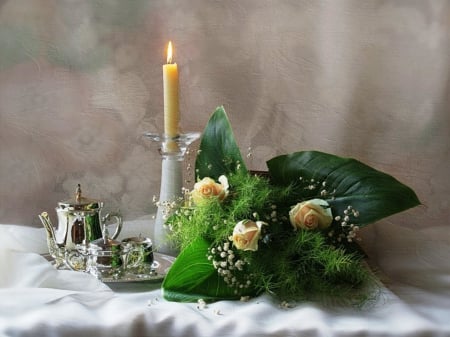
[[169, 52]]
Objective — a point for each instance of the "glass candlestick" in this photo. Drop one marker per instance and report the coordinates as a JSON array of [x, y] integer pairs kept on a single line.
[[172, 150]]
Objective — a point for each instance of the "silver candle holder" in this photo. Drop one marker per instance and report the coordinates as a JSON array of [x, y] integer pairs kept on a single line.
[[172, 151]]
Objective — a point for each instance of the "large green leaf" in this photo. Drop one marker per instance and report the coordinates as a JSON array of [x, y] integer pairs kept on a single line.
[[193, 277], [372, 193], [219, 153]]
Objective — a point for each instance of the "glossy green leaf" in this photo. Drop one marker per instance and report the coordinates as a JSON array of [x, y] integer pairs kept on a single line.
[[219, 154], [372, 193], [193, 277]]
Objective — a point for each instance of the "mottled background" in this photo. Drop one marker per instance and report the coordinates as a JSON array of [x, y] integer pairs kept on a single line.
[[80, 81]]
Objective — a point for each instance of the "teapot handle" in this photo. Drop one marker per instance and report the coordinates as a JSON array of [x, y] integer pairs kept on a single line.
[[119, 223]]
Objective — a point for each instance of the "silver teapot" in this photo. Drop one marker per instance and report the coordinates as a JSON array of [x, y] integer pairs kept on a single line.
[[79, 222]]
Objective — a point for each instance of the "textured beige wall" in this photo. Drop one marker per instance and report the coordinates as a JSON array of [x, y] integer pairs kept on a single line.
[[80, 81]]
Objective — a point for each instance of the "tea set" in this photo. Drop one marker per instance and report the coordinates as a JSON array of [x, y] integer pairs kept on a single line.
[[81, 241]]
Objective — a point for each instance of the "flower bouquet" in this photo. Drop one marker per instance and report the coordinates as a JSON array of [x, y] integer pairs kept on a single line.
[[291, 233]]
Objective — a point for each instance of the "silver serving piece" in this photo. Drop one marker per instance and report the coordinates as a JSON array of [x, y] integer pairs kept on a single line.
[[79, 222], [104, 257], [140, 257]]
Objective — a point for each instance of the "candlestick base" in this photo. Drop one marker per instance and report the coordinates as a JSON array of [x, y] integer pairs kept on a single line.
[[172, 150]]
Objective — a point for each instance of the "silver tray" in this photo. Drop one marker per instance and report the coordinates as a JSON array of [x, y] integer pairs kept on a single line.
[[157, 272]]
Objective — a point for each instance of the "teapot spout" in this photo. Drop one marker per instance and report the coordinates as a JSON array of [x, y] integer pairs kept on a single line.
[[54, 249], [45, 219]]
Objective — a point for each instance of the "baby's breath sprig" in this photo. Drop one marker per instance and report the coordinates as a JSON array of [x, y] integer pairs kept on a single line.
[[230, 266], [346, 228]]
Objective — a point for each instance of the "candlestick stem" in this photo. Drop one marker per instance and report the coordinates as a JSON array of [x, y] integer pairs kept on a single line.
[[172, 150]]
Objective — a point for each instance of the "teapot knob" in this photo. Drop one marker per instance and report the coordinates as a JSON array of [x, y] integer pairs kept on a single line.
[[78, 193]]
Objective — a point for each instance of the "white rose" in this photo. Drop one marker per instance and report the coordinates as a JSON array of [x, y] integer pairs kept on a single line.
[[311, 214], [246, 234], [206, 189]]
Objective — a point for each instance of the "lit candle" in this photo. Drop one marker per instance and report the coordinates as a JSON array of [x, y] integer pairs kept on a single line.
[[170, 81]]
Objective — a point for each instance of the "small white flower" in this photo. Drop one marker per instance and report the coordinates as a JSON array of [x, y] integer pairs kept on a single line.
[[285, 305], [201, 304]]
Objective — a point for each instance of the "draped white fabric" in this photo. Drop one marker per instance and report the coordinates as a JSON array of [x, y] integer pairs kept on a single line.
[[37, 300]]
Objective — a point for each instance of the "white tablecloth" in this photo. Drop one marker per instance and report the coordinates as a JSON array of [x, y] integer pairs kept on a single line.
[[37, 300]]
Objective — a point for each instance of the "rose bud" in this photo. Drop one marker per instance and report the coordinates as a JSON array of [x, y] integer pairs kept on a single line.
[[311, 214], [246, 234], [207, 189]]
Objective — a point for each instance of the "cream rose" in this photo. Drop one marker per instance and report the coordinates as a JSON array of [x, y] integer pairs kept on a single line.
[[246, 234], [206, 189], [311, 214]]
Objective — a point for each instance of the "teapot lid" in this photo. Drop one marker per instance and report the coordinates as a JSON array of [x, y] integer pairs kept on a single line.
[[79, 202]]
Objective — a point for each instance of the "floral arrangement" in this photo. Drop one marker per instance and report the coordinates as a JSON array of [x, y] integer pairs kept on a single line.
[[291, 233]]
